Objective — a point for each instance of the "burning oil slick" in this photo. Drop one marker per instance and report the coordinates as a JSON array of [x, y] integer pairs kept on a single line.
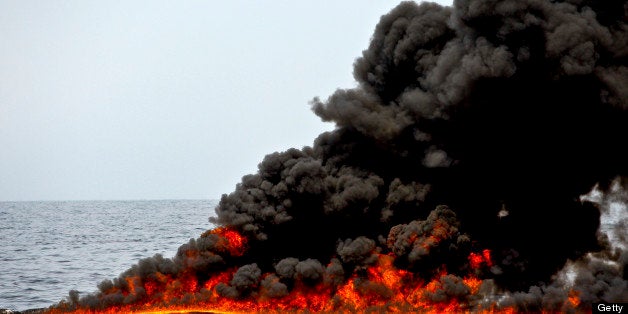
[[452, 181]]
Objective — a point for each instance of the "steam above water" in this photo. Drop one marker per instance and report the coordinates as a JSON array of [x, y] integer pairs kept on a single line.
[[473, 127]]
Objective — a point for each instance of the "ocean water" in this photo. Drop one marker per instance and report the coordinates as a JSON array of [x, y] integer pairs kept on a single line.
[[49, 248]]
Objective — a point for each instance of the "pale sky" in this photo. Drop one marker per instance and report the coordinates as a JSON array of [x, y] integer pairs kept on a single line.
[[164, 99]]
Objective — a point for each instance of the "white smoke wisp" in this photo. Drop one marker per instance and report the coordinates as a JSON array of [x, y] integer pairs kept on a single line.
[[613, 207]]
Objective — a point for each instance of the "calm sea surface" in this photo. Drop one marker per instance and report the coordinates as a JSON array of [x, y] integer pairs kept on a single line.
[[48, 248]]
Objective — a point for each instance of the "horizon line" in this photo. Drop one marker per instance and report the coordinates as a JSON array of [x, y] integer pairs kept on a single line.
[[110, 200]]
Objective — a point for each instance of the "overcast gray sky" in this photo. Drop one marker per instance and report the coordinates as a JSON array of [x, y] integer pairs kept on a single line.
[[164, 99]]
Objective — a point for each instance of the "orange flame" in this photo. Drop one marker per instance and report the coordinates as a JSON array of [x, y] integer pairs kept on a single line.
[[230, 239], [574, 298], [476, 260]]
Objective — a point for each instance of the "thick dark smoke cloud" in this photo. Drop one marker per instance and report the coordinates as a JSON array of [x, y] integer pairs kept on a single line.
[[512, 107], [489, 105]]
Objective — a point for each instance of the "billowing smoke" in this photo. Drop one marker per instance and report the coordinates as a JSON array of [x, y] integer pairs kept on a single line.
[[473, 127]]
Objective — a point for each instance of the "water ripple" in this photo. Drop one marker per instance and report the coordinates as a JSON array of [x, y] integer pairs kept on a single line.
[[50, 248]]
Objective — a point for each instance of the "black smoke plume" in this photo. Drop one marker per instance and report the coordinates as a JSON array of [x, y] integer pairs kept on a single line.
[[488, 119]]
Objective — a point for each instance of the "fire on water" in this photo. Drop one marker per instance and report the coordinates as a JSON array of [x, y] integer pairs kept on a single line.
[[381, 287]]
